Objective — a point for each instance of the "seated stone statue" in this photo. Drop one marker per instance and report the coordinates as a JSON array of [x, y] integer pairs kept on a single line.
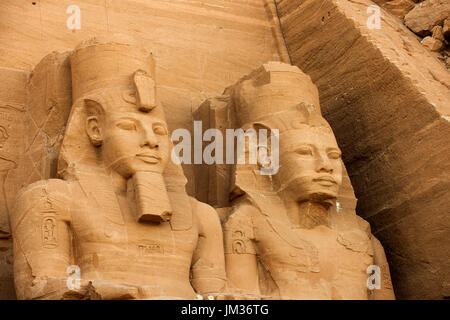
[[120, 212], [284, 238]]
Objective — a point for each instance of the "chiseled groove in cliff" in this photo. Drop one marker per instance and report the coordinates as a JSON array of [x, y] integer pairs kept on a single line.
[[272, 12]]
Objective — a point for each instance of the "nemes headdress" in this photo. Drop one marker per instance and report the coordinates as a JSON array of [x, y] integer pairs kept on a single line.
[[279, 96], [114, 69], [118, 74]]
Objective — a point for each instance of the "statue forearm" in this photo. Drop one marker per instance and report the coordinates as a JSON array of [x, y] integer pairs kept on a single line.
[[210, 285]]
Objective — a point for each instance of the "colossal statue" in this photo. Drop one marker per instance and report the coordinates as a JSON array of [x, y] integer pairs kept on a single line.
[[285, 237], [119, 214]]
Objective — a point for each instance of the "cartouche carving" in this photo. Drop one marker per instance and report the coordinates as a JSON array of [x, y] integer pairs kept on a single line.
[[284, 238], [120, 211]]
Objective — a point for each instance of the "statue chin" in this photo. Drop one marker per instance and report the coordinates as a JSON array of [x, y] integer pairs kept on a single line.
[[324, 198], [303, 190], [325, 194], [127, 169]]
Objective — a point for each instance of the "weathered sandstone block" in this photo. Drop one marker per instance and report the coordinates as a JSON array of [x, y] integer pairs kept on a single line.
[[426, 15], [446, 28], [398, 8], [432, 43]]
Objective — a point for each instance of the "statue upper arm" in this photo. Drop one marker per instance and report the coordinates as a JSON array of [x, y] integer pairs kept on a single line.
[[41, 237], [208, 264], [240, 253]]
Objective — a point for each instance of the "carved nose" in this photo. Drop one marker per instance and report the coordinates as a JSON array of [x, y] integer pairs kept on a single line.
[[150, 139], [324, 164]]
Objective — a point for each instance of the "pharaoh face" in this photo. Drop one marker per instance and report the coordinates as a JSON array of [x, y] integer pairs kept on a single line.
[[132, 141], [310, 164]]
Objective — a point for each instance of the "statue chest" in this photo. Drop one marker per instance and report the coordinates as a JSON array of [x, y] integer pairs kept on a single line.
[[104, 244], [320, 263]]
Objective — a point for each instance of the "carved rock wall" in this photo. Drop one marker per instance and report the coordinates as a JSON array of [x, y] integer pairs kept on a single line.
[[386, 97], [388, 102], [12, 110], [200, 47]]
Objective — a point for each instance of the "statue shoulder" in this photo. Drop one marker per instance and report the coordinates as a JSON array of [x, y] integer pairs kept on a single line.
[[54, 188], [205, 214], [51, 195], [243, 212], [364, 226], [240, 221]]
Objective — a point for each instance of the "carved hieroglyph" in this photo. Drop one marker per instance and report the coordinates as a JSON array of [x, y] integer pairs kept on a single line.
[[119, 211], [284, 238]]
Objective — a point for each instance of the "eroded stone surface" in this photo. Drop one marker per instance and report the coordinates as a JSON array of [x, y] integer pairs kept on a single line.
[[7, 291], [201, 47], [387, 99], [12, 110], [398, 8], [432, 43], [446, 28], [426, 15]]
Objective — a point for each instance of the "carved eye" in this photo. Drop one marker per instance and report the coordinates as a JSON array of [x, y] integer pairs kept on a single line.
[[334, 154], [159, 130], [127, 125], [304, 151]]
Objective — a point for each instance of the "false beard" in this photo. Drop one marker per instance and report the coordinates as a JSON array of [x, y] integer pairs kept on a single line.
[[147, 193]]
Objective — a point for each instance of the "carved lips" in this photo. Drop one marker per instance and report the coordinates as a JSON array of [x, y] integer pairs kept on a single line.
[[326, 181], [149, 157]]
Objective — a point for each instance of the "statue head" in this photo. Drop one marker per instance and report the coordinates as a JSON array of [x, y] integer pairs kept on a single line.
[[279, 96], [130, 140], [114, 82], [116, 139], [310, 163]]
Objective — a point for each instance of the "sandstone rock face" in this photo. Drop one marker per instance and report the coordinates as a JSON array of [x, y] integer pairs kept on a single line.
[[201, 47], [432, 43], [12, 110], [383, 93], [438, 33], [426, 15], [398, 8], [426, 19], [7, 291], [446, 28]]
